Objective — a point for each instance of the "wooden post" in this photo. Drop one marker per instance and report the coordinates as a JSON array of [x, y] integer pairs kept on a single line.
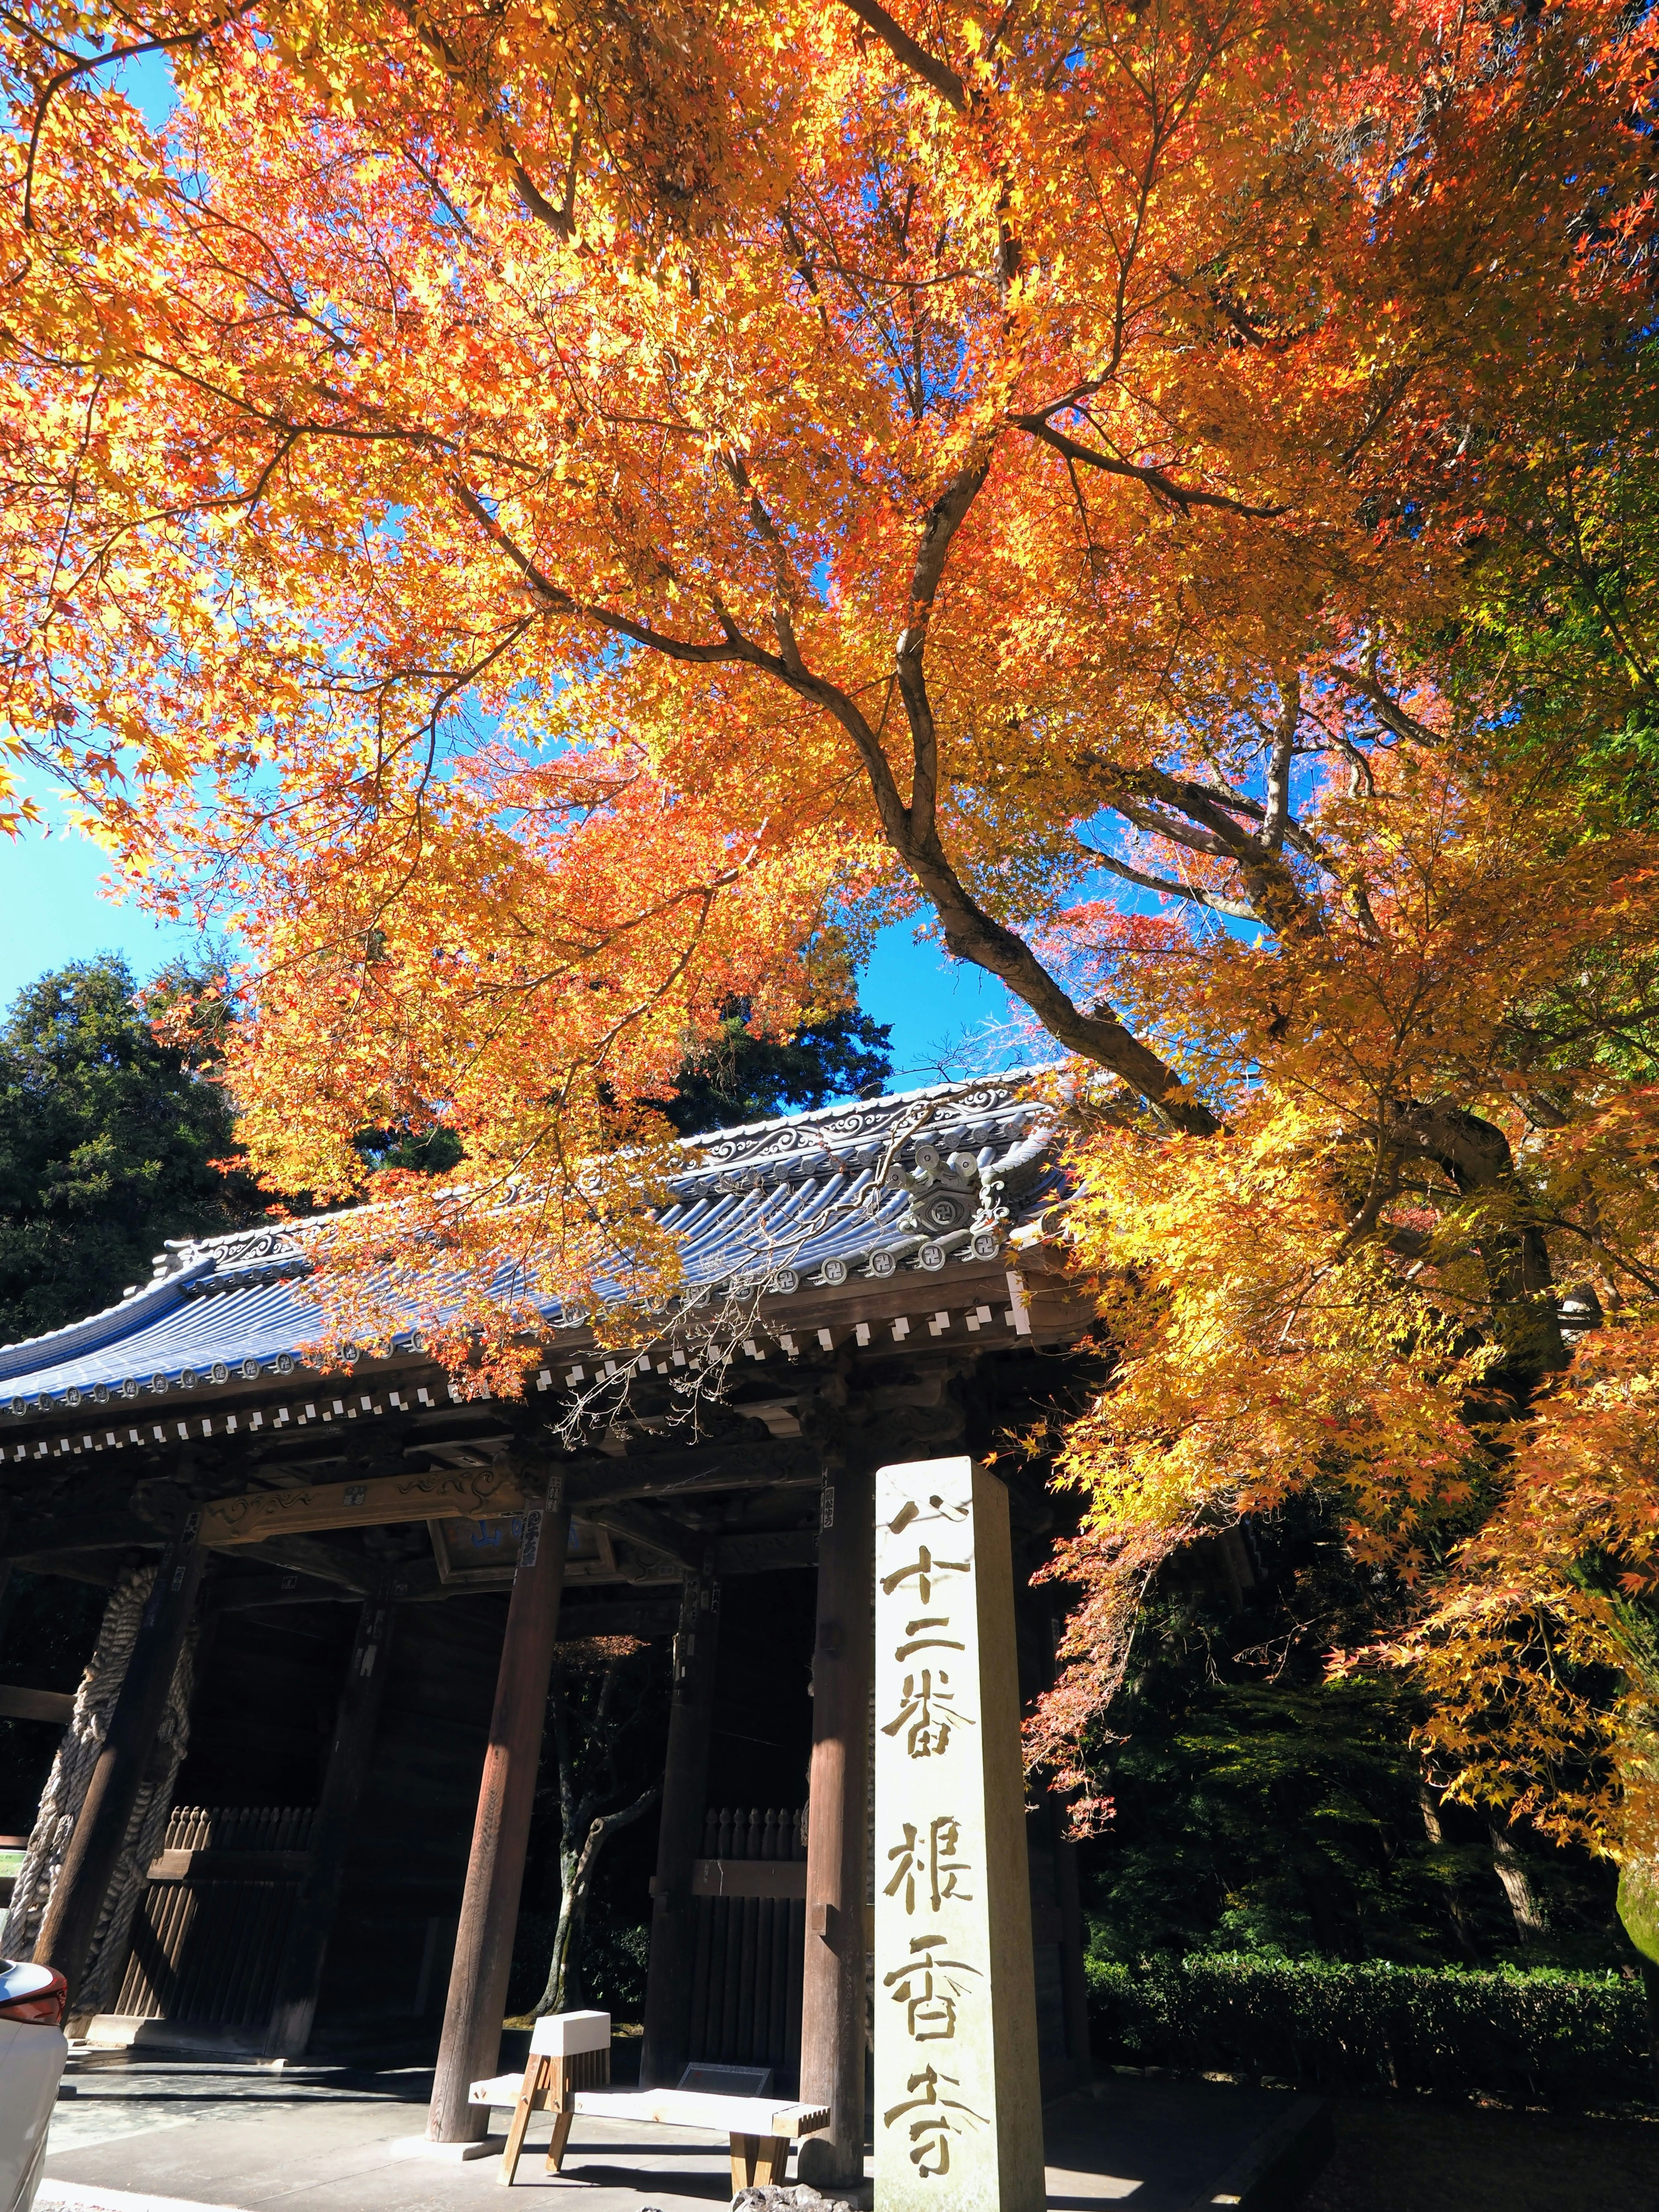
[[1073, 1978], [663, 2053], [837, 1842], [300, 1977], [101, 1830], [471, 2039]]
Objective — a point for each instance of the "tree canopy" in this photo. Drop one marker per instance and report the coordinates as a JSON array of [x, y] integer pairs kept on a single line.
[[108, 1140], [556, 519], [742, 1075]]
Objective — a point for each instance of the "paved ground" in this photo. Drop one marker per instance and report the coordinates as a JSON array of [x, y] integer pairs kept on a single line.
[[146, 2136]]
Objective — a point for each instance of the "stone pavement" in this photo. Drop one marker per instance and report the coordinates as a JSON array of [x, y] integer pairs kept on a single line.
[[188, 2135]]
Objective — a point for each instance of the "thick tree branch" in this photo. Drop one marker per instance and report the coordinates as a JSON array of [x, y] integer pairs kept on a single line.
[[1240, 910], [899, 43], [1280, 760], [559, 220], [945, 518], [1389, 712], [55, 84], [1183, 496], [971, 933]]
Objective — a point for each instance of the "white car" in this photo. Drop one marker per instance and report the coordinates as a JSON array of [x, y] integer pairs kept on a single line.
[[31, 2055]]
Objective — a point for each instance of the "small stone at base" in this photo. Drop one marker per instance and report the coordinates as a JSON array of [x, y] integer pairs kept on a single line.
[[802, 2199]]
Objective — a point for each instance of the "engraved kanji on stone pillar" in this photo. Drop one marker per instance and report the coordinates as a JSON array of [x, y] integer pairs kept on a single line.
[[958, 2111]]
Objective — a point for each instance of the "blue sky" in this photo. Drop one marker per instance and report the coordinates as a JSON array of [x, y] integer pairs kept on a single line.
[[944, 1016]]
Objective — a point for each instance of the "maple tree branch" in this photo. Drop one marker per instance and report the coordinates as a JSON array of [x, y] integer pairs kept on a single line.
[[1276, 898], [438, 49], [1183, 496], [1389, 712], [971, 933], [1477, 1156], [899, 43], [945, 519], [1166, 887], [54, 85], [777, 554], [1279, 764], [559, 601]]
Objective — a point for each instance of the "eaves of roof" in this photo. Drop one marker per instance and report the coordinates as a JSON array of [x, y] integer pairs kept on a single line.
[[924, 1181]]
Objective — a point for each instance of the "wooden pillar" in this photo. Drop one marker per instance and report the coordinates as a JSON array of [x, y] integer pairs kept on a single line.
[[1073, 1976], [494, 1871], [300, 1977], [663, 2053], [837, 1843], [101, 1830]]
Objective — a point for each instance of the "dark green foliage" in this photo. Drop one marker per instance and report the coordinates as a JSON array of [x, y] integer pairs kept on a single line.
[[1260, 1807], [739, 1076], [423, 1151], [1578, 2038], [1270, 1818], [615, 1954], [107, 1139], [743, 1076]]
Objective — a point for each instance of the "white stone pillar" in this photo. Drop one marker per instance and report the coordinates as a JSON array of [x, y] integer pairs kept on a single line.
[[958, 2110]]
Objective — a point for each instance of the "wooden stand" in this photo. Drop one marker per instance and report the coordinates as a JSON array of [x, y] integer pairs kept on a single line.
[[550, 2084], [837, 1844], [494, 1871], [663, 2051], [758, 2161], [300, 1977], [94, 1850]]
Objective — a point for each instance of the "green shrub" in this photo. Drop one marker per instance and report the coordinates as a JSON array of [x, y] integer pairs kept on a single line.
[[1510, 2031]]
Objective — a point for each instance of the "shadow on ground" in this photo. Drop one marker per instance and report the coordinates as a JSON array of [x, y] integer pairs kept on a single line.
[[1419, 2157]]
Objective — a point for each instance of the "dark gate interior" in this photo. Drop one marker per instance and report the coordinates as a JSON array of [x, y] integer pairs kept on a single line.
[[751, 1891]]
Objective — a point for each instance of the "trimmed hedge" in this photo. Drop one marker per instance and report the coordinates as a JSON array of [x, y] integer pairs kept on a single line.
[[1534, 2034]]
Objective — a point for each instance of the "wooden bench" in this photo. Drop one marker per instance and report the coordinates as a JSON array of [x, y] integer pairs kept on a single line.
[[569, 2072]]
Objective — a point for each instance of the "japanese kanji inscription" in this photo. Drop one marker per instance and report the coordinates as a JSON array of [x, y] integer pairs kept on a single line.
[[959, 2109]]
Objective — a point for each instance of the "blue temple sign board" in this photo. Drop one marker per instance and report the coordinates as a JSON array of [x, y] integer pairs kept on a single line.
[[959, 2109]]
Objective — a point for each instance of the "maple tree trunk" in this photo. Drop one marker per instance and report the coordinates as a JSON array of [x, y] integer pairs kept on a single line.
[[564, 1991], [1530, 1922], [1461, 1920]]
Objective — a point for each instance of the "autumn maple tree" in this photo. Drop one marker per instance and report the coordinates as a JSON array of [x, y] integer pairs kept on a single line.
[[552, 519]]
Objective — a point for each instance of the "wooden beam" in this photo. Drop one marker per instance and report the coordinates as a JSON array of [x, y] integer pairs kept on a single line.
[[248, 1593], [744, 1465], [326, 1562], [758, 1552], [19, 1704], [472, 2039], [75, 1528], [426, 1494], [639, 1525]]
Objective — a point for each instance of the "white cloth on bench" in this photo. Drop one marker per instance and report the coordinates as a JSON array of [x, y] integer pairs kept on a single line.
[[672, 2108]]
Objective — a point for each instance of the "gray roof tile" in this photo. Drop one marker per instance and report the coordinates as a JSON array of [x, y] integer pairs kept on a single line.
[[783, 1203]]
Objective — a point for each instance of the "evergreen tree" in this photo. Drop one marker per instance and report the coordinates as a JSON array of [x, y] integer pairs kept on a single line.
[[108, 1137], [742, 1075]]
